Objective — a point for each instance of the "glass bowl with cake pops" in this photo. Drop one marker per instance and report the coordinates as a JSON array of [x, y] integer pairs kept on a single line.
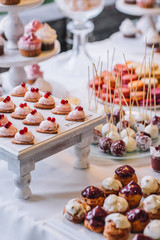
[[79, 11], [129, 132]]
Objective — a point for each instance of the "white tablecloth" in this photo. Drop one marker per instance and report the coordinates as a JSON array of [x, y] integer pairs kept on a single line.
[[54, 180]]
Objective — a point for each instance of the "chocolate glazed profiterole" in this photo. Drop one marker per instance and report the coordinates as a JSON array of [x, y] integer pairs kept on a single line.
[[125, 174], [93, 196]]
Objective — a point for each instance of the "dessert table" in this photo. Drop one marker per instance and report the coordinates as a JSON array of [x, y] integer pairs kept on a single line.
[[55, 181]]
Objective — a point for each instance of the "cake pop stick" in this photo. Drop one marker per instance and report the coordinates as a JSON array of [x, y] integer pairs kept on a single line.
[[147, 95], [89, 95]]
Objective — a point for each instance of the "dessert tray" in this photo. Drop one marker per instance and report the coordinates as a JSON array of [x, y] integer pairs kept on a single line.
[[26, 4], [22, 158]]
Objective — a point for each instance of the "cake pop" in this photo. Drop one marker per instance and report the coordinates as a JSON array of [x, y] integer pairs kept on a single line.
[[105, 144], [118, 148], [108, 127], [144, 142], [114, 136], [152, 130], [128, 132], [131, 144]]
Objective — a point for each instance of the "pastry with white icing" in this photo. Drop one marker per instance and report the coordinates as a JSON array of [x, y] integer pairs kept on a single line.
[[23, 137], [152, 230], [45, 102], [128, 29], [117, 226], [111, 186], [77, 115], [151, 204], [149, 185]]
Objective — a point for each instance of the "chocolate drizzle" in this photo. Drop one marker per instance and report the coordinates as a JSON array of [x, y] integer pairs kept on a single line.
[[92, 192], [137, 214], [125, 171], [96, 217], [131, 188]]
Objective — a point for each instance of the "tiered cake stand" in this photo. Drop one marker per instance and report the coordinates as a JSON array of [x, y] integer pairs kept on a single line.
[[13, 30]]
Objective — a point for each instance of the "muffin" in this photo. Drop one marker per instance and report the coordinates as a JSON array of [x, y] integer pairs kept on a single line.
[[29, 45], [93, 196], [33, 72], [132, 193], [75, 210], [111, 186], [48, 36], [95, 219], [125, 174], [150, 185], [115, 204], [138, 219], [117, 227], [151, 204]]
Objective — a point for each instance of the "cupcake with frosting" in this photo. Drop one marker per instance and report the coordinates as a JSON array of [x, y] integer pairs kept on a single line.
[[3, 120], [8, 130], [63, 108], [34, 118], [128, 29], [21, 111], [6, 105], [23, 137], [151, 37], [48, 36], [33, 26], [48, 126], [29, 45], [19, 91], [77, 115], [45, 102], [33, 95], [33, 72]]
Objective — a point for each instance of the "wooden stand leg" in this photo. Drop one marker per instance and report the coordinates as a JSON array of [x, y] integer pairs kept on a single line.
[[22, 190], [82, 150]]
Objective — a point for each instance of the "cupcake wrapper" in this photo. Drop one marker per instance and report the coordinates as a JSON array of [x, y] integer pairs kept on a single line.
[[30, 53], [47, 46], [9, 2]]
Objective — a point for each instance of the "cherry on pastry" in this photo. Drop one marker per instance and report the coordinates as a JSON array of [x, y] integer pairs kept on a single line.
[[47, 94], [64, 102], [105, 144], [34, 112], [23, 131], [7, 99], [23, 84], [22, 105], [79, 108], [118, 148], [8, 124], [1, 116], [32, 89], [37, 89]]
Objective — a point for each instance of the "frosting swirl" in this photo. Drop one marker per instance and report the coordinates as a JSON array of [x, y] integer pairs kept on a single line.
[[120, 220], [114, 203]]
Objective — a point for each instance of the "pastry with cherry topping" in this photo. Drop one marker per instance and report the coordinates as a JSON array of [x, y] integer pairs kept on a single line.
[[132, 193], [45, 102], [95, 219], [6, 105], [115, 204], [19, 91], [105, 144], [111, 186], [3, 120], [23, 137], [150, 185], [34, 118], [118, 148], [93, 196], [64, 108], [8, 130], [151, 204], [21, 111], [76, 210], [77, 115], [117, 227], [125, 174], [33, 95], [138, 219], [48, 126]]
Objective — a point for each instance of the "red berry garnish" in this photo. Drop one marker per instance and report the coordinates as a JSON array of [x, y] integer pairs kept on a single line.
[[63, 102], [66, 101], [32, 89], [21, 105], [46, 95], [79, 108], [25, 129], [49, 118], [23, 84], [8, 124], [37, 89], [7, 99], [1, 116], [34, 111], [0, 124], [25, 104], [53, 120], [21, 132]]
